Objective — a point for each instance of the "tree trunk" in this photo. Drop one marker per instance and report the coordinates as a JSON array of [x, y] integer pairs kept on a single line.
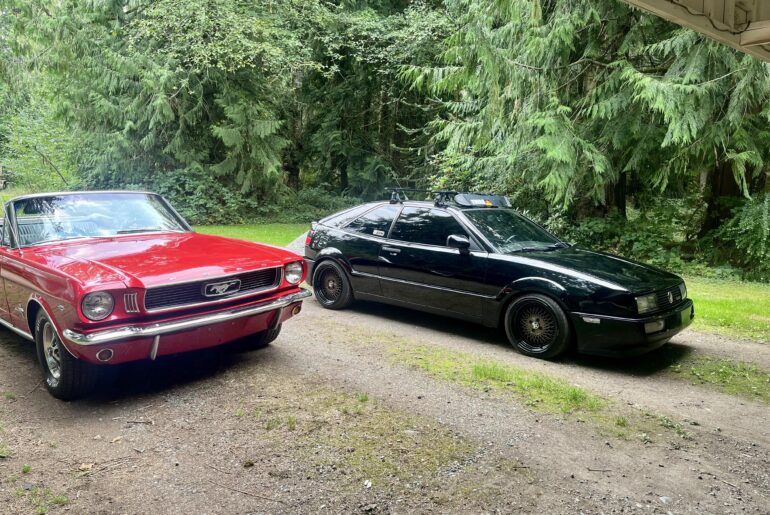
[[616, 196], [720, 189], [339, 164]]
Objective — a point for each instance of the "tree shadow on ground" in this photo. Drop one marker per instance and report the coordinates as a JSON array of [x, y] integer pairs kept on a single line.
[[167, 373], [647, 364], [485, 335], [142, 378]]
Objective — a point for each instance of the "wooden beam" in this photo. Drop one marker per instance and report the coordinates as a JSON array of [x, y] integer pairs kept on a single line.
[[697, 20]]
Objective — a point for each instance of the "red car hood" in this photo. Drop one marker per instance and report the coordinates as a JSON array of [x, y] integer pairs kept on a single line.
[[151, 260]]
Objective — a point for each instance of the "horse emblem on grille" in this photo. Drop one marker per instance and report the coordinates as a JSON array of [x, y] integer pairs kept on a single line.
[[221, 288], [670, 297]]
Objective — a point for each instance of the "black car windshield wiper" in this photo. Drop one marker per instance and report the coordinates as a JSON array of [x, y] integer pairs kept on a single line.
[[544, 248]]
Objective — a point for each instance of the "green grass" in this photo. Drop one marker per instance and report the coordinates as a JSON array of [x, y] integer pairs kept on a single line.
[[731, 308], [537, 390], [273, 234], [733, 377]]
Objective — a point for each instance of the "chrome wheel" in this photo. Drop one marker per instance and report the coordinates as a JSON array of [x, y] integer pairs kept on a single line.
[[52, 350], [535, 327]]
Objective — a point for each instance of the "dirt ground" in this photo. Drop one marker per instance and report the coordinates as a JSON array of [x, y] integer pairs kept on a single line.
[[325, 421]]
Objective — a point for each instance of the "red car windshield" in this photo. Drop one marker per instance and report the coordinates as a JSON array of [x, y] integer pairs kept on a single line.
[[44, 219]]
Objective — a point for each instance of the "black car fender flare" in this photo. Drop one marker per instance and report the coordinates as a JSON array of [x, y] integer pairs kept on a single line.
[[526, 285], [333, 254]]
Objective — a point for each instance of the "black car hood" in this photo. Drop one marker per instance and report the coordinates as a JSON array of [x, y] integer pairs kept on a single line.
[[629, 275]]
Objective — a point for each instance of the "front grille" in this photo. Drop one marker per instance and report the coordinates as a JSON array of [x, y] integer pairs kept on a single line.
[[665, 300], [178, 295]]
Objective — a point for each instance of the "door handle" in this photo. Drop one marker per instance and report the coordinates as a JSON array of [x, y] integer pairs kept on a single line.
[[391, 250]]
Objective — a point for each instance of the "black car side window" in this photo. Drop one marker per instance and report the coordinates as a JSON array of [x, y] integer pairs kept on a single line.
[[426, 226], [374, 223]]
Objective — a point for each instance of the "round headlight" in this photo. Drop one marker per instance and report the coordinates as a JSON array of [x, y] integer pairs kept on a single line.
[[98, 305], [293, 272]]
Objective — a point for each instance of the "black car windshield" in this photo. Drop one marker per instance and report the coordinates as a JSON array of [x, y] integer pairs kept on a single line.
[[510, 232], [44, 219]]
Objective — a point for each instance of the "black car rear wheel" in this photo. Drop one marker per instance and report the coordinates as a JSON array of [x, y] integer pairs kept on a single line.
[[537, 326], [331, 286]]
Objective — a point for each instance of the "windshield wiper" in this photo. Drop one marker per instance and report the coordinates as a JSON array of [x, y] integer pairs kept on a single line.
[[134, 231], [544, 248], [57, 240]]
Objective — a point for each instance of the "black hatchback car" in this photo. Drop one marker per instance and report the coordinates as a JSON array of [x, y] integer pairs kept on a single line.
[[472, 256]]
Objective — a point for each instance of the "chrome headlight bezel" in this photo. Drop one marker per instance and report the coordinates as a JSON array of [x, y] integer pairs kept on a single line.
[[646, 303], [97, 305], [293, 272]]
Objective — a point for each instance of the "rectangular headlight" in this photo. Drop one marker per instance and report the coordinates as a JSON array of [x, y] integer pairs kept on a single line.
[[683, 290], [646, 303]]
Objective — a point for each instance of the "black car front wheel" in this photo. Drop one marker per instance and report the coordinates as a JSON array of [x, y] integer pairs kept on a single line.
[[537, 326], [65, 377], [331, 286]]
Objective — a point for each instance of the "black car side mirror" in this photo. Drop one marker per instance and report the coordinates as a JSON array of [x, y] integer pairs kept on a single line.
[[459, 242]]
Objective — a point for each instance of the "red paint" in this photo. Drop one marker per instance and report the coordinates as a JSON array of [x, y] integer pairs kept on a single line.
[[58, 275]]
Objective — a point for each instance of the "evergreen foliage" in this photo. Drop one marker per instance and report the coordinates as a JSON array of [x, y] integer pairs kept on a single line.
[[613, 127]]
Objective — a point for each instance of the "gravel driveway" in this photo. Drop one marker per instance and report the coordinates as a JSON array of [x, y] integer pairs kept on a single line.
[[324, 420]]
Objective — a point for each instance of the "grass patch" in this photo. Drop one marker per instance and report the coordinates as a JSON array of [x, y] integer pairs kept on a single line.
[[540, 391], [5, 452], [731, 308], [335, 436], [273, 234], [43, 499], [733, 377]]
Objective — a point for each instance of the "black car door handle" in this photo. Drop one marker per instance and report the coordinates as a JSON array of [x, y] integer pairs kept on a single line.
[[391, 249]]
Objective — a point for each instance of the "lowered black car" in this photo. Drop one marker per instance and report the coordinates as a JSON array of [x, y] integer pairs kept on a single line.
[[471, 256]]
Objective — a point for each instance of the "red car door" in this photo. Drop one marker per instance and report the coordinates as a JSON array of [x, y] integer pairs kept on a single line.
[[5, 243]]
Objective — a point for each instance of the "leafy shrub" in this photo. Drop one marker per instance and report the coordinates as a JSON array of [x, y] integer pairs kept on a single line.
[[201, 199], [748, 234]]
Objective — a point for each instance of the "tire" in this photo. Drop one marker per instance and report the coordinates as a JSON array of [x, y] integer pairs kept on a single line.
[[537, 326], [66, 377], [331, 286], [259, 340]]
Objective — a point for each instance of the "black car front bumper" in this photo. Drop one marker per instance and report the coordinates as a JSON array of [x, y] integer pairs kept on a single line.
[[612, 336]]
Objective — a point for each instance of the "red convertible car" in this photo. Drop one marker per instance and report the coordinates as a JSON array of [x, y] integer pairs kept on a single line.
[[102, 278]]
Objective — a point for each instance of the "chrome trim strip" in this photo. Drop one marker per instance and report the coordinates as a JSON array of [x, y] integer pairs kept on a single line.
[[21, 333], [154, 349], [123, 333], [131, 302], [219, 300]]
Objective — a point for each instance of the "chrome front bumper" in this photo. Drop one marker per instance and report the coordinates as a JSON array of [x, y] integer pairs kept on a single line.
[[123, 333]]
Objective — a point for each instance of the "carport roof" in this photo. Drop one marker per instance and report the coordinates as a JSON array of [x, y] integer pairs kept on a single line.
[[741, 24]]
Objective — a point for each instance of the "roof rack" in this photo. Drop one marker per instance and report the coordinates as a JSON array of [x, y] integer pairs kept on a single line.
[[445, 197]]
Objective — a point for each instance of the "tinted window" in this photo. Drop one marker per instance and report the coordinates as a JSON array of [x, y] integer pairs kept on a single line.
[[426, 226], [340, 219], [511, 232], [374, 223]]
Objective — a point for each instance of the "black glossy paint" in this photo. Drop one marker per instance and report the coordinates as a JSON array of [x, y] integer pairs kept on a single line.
[[477, 284]]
